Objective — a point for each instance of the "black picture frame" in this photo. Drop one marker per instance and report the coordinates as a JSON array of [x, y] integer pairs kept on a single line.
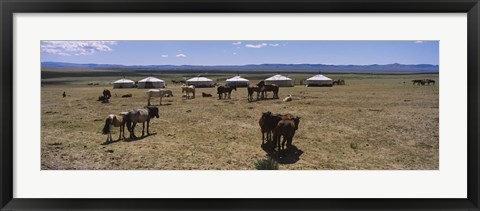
[[9, 7]]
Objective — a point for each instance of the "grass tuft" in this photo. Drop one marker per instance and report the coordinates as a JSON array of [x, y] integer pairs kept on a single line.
[[266, 164]]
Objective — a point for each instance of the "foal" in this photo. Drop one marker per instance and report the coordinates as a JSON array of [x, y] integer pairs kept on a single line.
[[116, 121]]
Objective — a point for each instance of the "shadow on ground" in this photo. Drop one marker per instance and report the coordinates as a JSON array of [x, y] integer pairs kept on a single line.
[[287, 156]]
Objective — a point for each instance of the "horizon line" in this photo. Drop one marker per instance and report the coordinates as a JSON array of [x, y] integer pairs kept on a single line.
[[239, 64]]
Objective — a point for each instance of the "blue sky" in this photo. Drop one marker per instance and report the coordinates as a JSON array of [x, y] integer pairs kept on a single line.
[[240, 52]]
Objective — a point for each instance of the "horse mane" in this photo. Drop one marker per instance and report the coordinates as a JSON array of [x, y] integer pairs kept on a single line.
[[151, 111]]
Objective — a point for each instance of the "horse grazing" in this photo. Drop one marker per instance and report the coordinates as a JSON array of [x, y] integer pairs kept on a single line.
[[116, 121], [158, 93], [141, 115], [225, 90], [251, 89], [188, 90], [206, 94], [268, 88], [286, 128]]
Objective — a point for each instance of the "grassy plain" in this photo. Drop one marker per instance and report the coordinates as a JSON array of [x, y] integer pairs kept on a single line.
[[373, 122]]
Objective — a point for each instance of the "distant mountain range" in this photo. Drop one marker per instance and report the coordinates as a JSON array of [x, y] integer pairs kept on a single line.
[[418, 68]]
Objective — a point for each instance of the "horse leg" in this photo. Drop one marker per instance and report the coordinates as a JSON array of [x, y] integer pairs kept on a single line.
[[148, 126], [263, 137], [161, 100], [143, 129], [120, 134], [132, 133], [123, 130], [148, 101]]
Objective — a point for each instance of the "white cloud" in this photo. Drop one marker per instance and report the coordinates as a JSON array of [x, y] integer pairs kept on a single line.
[[419, 41], [234, 53], [261, 45], [68, 48], [181, 55], [256, 46], [237, 43], [164, 56]]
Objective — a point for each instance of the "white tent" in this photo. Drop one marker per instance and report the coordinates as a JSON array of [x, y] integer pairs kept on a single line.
[[319, 80], [200, 82], [151, 82], [237, 81], [279, 80], [123, 83]]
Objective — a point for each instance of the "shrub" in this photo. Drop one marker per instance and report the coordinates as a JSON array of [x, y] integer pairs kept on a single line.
[[266, 164]]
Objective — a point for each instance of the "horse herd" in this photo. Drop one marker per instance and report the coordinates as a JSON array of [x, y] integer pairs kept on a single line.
[[224, 92], [277, 125], [423, 82]]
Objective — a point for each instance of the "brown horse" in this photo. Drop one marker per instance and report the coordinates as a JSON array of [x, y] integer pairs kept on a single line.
[[140, 116], [116, 121], [251, 89], [286, 128], [268, 122], [107, 94], [268, 88], [225, 90]]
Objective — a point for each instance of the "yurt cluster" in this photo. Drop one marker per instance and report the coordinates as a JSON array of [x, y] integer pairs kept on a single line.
[[237, 81]]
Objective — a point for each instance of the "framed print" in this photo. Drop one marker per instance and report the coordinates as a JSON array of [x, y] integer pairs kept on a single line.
[[178, 105]]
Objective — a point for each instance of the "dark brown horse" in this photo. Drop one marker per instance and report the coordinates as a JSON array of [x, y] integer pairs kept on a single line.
[[267, 123], [286, 128], [268, 88], [225, 90], [107, 94], [418, 82], [251, 89], [428, 81], [142, 115]]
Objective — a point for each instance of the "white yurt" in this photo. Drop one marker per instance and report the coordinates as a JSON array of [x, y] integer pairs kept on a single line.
[[151, 82], [237, 81], [279, 80], [200, 82], [319, 80], [123, 83]]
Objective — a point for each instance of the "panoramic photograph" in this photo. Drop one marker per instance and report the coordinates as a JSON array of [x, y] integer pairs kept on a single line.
[[239, 105]]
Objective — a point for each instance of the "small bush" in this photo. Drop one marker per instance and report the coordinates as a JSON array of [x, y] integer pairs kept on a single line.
[[266, 164]]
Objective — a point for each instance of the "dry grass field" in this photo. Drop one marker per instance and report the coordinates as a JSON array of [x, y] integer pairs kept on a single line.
[[373, 122]]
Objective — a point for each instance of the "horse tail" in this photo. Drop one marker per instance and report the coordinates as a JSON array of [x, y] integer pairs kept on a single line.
[[106, 128], [128, 121]]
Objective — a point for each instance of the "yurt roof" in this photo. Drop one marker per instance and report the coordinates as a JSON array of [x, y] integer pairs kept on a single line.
[[199, 79], [237, 78], [123, 81], [151, 79], [278, 78], [319, 77]]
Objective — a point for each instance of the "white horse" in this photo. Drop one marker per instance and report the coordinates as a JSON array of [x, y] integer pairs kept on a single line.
[[158, 93], [188, 90]]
